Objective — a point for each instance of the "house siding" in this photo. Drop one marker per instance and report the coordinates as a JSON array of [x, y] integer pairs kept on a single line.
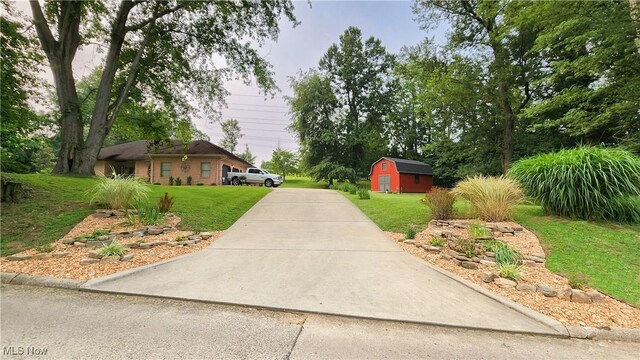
[[193, 170], [142, 170], [407, 183]]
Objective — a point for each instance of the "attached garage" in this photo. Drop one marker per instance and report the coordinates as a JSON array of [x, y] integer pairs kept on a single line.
[[400, 175]]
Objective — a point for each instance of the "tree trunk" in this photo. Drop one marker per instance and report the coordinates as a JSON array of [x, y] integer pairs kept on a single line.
[[634, 10], [508, 127]]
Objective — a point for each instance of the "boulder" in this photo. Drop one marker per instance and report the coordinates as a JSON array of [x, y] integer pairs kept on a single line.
[[88, 261], [505, 283], [68, 241], [539, 255], [528, 263], [546, 290], [206, 235], [461, 257], [138, 233], [153, 230], [432, 248], [410, 242], [525, 287], [144, 246], [110, 258], [126, 257], [80, 244], [579, 296], [60, 254], [487, 262], [469, 265], [564, 293], [445, 257], [595, 296], [94, 255], [488, 276]]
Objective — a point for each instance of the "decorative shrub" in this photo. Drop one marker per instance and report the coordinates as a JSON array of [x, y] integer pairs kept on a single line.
[[156, 183], [505, 254], [119, 191], [199, 184], [585, 182], [353, 189], [178, 181], [465, 246], [411, 232], [363, 194], [171, 181], [113, 249], [165, 203], [189, 180], [440, 202], [510, 271], [491, 198], [437, 242], [478, 230]]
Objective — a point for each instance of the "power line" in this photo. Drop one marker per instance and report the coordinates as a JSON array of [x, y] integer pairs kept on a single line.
[[260, 96], [254, 118], [263, 111], [270, 106]]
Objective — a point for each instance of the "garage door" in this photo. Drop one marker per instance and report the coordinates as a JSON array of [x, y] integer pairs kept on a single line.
[[385, 182]]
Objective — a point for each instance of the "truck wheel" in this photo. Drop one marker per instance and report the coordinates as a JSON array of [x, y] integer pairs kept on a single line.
[[268, 183], [235, 181]]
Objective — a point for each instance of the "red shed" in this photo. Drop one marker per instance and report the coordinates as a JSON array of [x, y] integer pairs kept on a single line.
[[400, 175]]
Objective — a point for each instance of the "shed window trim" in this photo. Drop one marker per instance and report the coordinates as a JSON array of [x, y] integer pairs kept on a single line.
[[384, 165], [416, 179], [165, 169], [205, 170]]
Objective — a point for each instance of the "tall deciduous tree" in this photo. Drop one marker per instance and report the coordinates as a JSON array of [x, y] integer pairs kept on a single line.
[[283, 162], [231, 134], [247, 155], [157, 49]]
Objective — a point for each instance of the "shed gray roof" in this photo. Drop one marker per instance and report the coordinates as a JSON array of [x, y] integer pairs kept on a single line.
[[143, 149], [409, 166]]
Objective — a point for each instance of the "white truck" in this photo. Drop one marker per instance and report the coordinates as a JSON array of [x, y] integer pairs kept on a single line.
[[255, 176]]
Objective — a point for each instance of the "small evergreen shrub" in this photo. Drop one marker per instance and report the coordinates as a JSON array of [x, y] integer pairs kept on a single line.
[[410, 234], [119, 191], [440, 201], [585, 182], [363, 194], [171, 180], [178, 181], [199, 184], [510, 271], [491, 198], [189, 180], [165, 203], [114, 249]]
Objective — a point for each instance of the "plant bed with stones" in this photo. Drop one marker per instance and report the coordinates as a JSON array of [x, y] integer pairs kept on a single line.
[[537, 288], [80, 254]]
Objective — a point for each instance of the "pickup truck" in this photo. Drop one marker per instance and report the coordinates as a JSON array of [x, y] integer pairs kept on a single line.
[[255, 176]]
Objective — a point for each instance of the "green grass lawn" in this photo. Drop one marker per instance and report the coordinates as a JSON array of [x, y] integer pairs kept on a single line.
[[59, 202], [607, 254], [303, 182]]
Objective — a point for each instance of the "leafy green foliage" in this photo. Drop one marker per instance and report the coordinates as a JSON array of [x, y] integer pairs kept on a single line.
[[189, 180], [586, 182], [114, 249], [510, 271], [247, 155], [491, 198], [469, 247], [165, 203], [440, 201], [437, 242], [411, 232], [478, 229], [44, 248], [171, 181], [231, 134], [119, 191], [505, 254], [363, 194], [178, 181], [283, 162]]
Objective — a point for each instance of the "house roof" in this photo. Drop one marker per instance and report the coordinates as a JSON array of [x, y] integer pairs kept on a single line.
[[143, 149], [407, 166]]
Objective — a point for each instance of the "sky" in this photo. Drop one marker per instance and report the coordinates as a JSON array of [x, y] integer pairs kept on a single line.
[[264, 120]]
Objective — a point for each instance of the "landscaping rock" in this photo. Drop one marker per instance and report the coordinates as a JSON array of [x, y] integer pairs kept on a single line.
[[80, 244], [564, 293], [432, 248], [595, 296], [487, 262], [110, 258], [144, 246], [138, 233], [504, 229], [525, 287], [534, 258], [60, 254], [461, 257], [488, 276], [517, 228], [41, 256], [505, 283], [475, 259], [539, 255], [488, 258], [546, 290], [189, 242], [579, 296], [152, 230], [94, 255], [157, 243], [411, 242], [490, 254], [206, 235], [469, 265], [134, 245], [461, 226], [101, 215], [172, 243], [19, 257], [126, 257], [445, 257], [528, 263], [106, 238], [68, 241], [89, 261], [98, 243], [118, 213], [446, 234]]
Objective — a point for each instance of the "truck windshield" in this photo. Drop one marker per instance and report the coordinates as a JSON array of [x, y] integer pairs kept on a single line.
[[265, 171]]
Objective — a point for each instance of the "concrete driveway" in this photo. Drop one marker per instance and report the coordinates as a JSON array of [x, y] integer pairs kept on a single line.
[[314, 251]]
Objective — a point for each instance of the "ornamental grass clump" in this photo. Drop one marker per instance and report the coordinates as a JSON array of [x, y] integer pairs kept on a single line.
[[119, 191], [492, 198], [114, 249], [585, 182], [440, 201]]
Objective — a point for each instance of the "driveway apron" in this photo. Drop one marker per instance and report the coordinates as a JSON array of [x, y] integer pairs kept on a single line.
[[314, 251]]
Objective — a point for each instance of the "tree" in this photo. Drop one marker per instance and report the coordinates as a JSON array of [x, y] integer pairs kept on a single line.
[[232, 133], [283, 162], [19, 61], [247, 155], [155, 50]]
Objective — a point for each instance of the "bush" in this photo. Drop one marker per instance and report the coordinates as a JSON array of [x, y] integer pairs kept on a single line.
[[119, 191], [465, 246], [411, 232], [178, 181], [492, 198], [171, 181], [440, 201], [353, 189], [189, 180], [165, 203], [510, 271], [437, 242], [199, 184], [363, 194], [585, 182], [478, 230], [114, 249]]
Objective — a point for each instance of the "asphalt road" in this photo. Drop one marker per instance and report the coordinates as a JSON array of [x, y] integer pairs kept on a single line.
[[70, 324]]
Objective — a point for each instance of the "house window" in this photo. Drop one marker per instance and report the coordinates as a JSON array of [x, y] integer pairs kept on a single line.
[[205, 170], [384, 166], [165, 169], [416, 179]]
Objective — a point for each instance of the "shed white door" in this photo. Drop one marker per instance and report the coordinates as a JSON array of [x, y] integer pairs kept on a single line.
[[384, 182]]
